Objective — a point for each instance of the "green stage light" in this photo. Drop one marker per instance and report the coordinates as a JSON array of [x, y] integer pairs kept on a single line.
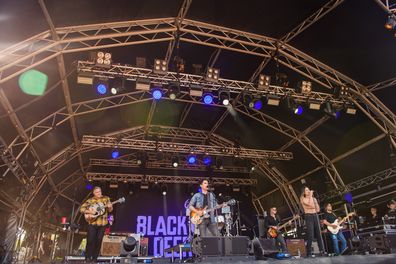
[[33, 82]]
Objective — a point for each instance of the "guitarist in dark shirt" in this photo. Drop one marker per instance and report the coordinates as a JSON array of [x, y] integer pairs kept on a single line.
[[272, 221], [329, 218]]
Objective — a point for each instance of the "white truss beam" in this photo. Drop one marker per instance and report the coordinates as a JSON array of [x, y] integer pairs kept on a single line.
[[120, 177], [175, 147]]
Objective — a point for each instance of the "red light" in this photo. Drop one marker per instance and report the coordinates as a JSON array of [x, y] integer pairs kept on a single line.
[[63, 220]]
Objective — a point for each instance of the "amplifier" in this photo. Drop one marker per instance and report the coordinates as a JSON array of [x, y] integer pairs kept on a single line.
[[295, 245], [111, 245]]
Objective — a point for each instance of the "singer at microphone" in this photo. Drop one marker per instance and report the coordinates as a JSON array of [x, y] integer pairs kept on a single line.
[[311, 208]]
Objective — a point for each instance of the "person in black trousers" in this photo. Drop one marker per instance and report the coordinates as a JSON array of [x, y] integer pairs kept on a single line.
[[311, 208]]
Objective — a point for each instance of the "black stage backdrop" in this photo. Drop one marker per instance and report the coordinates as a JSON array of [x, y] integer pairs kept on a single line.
[[162, 218]]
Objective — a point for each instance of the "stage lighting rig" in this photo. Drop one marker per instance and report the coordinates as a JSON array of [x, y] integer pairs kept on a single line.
[[212, 74], [350, 110], [103, 59], [160, 66], [331, 110], [391, 22], [341, 91], [305, 87], [157, 92], [264, 82], [224, 97], [174, 90], [273, 100], [101, 85], [208, 98], [143, 84]]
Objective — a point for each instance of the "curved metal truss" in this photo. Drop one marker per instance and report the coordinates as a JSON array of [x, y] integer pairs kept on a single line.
[[41, 48]]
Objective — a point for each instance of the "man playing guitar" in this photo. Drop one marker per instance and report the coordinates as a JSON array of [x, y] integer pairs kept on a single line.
[[329, 219], [199, 203], [272, 221], [96, 225]]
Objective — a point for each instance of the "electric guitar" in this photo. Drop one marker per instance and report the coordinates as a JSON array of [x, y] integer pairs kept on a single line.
[[196, 219], [335, 230], [99, 209], [273, 233]]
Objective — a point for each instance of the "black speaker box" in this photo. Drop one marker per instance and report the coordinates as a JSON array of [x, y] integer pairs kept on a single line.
[[221, 246], [264, 247], [236, 246]]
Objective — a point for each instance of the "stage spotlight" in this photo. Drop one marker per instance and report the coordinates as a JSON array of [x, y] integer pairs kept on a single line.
[[174, 90], [85, 78], [101, 86], [391, 22], [219, 164], [164, 190], [293, 106], [247, 98], [330, 110], [191, 159], [299, 110], [157, 93], [195, 90], [115, 153], [264, 81], [129, 246], [256, 104], [351, 110], [341, 91], [141, 62], [142, 84], [175, 161], [103, 59], [305, 87], [224, 97], [314, 105], [160, 66], [144, 186], [207, 160], [273, 100], [117, 87], [212, 74], [208, 98]]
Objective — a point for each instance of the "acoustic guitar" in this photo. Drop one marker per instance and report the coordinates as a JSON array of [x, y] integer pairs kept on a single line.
[[99, 209]]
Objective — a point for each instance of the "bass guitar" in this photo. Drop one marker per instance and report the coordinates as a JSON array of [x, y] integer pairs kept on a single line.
[[335, 230], [196, 219], [273, 233], [99, 209]]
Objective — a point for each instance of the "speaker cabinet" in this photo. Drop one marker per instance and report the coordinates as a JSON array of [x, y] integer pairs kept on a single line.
[[295, 245], [236, 246], [262, 247], [111, 245]]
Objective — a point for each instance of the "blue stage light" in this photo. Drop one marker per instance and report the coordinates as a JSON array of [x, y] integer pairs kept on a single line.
[[298, 110], [101, 88], [157, 93], [115, 154], [258, 104], [207, 160], [191, 159], [89, 187], [208, 98]]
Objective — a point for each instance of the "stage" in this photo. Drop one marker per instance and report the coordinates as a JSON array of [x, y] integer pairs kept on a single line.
[[360, 259]]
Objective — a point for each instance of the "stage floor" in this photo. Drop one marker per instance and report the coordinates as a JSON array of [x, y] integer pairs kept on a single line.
[[355, 259]]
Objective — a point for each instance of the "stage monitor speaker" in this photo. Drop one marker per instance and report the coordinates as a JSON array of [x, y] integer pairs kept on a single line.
[[263, 247], [295, 245], [111, 245], [236, 246], [207, 246]]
